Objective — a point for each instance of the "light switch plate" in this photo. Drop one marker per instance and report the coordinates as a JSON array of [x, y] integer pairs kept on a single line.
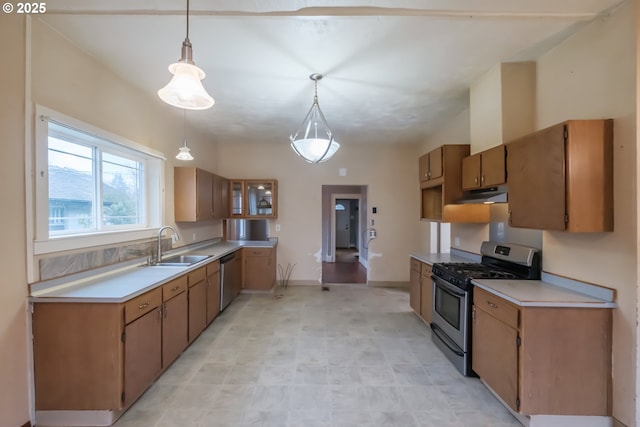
[[277, 227]]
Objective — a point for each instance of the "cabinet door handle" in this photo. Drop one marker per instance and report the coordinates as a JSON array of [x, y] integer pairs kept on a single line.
[[143, 306], [175, 288], [475, 180], [492, 305]]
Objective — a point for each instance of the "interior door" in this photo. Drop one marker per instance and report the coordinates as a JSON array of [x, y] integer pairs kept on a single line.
[[343, 217]]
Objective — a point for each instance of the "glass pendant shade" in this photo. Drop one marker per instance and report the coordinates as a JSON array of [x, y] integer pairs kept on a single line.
[[314, 141], [184, 152], [185, 89]]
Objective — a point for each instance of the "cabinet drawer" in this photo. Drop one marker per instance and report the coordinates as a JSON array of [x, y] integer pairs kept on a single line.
[[213, 267], [416, 265], [496, 306], [257, 251], [174, 287], [426, 270], [142, 304], [197, 276]]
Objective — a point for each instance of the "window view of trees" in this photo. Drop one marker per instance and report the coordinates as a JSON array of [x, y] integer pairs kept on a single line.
[[83, 177]]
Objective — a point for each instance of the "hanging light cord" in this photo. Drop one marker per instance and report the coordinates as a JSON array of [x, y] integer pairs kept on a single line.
[[187, 20]]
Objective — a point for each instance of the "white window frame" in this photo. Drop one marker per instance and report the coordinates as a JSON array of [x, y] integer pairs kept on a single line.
[[153, 187]]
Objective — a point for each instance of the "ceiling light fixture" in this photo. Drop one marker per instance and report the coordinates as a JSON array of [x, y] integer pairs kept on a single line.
[[313, 141], [184, 152], [185, 89]]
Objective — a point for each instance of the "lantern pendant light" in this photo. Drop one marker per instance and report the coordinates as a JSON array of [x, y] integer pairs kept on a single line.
[[185, 89], [314, 141]]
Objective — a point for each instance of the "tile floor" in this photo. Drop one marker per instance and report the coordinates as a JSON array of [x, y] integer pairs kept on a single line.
[[353, 356]]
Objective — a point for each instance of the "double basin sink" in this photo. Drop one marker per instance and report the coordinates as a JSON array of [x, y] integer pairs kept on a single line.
[[181, 260]]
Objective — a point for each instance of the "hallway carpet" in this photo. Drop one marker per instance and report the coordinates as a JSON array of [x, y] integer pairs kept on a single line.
[[354, 356]]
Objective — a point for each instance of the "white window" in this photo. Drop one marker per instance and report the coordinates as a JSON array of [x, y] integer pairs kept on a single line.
[[92, 183]]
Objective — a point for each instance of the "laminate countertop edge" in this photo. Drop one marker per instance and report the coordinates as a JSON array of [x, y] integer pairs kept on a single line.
[[536, 293], [123, 283]]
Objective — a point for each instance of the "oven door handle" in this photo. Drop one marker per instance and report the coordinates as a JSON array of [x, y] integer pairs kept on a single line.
[[445, 340], [443, 286]]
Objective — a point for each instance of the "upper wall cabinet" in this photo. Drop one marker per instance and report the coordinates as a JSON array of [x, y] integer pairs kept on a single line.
[[484, 169], [441, 187], [199, 195], [254, 198], [561, 178], [430, 165]]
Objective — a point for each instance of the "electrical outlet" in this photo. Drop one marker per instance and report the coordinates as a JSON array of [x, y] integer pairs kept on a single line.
[[277, 227], [193, 237], [456, 241]]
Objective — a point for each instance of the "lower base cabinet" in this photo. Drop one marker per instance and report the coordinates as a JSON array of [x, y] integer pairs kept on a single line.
[[421, 289], [426, 293], [259, 268], [175, 320], [543, 360], [142, 354], [197, 302], [103, 356], [415, 297]]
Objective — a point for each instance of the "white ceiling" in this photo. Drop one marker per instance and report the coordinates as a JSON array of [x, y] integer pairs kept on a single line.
[[393, 69]]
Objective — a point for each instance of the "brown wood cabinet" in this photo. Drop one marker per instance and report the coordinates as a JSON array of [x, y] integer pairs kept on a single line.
[[142, 354], [199, 195], [415, 299], [426, 293], [220, 197], [484, 169], [212, 288], [259, 268], [253, 198], [120, 349], [175, 315], [197, 302], [561, 178], [430, 165], [440, 193], [543, 360]]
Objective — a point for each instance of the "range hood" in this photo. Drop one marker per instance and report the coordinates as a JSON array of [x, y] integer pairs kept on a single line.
[[496, 194]]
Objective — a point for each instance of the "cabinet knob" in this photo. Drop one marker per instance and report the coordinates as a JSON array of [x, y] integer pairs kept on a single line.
[[475, 180], [143, 306], [492, 305], [482, 179]]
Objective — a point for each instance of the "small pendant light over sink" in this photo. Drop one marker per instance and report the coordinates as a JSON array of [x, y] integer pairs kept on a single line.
[[313, 141], [184, 152], [185, 89]]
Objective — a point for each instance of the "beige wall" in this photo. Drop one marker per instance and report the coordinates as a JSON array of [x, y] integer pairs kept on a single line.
[[389, 172], [67, 80], [454, 131], [593, 75], [14, 355]]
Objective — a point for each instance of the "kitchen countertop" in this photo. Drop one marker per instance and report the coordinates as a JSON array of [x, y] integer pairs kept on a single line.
[[536, 293], [121, 284], [432, 258]]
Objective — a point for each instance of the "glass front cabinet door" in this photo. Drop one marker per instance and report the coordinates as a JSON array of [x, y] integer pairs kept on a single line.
[[254, 199]]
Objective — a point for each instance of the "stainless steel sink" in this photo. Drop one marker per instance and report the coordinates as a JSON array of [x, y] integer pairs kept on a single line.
[[182, 260]]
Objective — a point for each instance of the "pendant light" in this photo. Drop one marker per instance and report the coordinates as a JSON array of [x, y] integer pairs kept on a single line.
[[313, 141], [184, 152], [185, 89]]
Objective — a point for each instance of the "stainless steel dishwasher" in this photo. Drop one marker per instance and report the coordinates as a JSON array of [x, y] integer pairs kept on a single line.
[[230, 271]]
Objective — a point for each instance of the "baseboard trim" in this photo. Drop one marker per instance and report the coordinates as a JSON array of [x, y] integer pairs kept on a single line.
[[618, 423], [384, 284]]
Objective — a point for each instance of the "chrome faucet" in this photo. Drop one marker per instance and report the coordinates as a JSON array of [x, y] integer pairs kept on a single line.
[[174, 238]]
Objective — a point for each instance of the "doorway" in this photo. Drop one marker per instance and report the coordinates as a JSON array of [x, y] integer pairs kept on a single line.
[[343, 263]]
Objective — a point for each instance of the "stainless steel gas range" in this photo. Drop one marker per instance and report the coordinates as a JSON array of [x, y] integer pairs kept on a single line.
[[453, 294]]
